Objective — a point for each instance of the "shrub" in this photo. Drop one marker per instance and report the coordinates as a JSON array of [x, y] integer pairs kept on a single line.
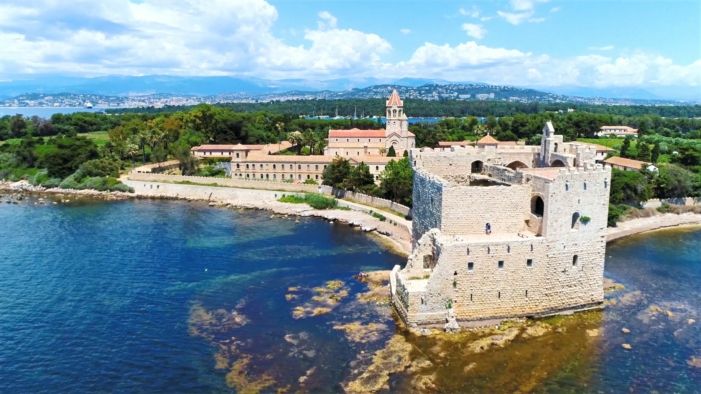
[[584, 219], [615, 212], [310, 182], [316, 201], [379, 216], [664, 208], [99, 168]]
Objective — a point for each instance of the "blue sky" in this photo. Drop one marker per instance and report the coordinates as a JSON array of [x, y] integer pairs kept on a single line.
[[540, 43]]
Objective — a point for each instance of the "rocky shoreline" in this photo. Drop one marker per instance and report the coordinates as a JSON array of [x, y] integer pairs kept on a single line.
[[387, 235]]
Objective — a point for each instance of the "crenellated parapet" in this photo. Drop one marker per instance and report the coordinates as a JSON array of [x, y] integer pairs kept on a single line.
[[499, 232]]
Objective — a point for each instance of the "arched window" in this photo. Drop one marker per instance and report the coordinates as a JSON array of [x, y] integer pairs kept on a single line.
[[575, 219], [515, 165], [557, 163], [537, 206]]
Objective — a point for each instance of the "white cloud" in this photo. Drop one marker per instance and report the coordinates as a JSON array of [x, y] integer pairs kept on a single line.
[[555, 9], [472, 12], [601, 48], [327, 21], [405, 30], [213, 37], [521, 11], [227, 37], [474, 30], [474, 62]]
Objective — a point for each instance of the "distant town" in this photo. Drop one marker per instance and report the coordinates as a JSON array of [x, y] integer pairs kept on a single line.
[[430, 92]]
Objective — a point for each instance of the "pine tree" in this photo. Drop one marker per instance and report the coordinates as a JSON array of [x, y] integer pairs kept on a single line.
[[625, 147], [655, 152], [391, 152]]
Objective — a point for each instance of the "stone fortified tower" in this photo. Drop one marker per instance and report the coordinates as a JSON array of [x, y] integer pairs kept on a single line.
[[502, 231]]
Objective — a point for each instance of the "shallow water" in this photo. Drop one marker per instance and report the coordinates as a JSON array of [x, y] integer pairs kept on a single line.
[[165, 296]]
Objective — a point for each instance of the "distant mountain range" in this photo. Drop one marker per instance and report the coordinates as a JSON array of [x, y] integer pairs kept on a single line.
[[173, 90]]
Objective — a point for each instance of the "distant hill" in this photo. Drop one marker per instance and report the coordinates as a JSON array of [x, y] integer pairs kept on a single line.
[[174, 90]]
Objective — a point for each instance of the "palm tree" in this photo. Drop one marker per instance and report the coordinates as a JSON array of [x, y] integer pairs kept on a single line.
[[383, 150], [295, 138]]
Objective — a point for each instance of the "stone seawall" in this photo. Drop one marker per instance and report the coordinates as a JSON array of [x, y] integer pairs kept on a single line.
[[394, 229]]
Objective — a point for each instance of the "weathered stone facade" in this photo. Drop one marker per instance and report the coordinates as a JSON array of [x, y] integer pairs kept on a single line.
[[498, 232]]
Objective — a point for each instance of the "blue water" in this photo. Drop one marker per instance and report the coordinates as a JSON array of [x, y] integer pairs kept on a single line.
[[105, 296], [96, 296]]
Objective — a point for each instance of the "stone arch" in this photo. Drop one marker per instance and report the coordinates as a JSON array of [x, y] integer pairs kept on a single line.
[[476, 167], [558, 163], [515, 165], [537, 205]]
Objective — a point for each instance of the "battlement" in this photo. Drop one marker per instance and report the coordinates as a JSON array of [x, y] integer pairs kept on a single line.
[[503, 231]]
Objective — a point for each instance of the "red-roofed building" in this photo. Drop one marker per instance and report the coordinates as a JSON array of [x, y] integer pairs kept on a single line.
[[355, 143]]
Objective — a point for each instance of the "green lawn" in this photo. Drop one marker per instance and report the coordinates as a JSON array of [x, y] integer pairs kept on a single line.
[[614, 143], [100, 138]]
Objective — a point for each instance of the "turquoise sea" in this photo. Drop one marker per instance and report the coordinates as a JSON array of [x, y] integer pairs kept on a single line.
[[170, 296]]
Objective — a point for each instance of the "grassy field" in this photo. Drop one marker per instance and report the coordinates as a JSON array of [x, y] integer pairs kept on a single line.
[[100, 138], [614, 143]]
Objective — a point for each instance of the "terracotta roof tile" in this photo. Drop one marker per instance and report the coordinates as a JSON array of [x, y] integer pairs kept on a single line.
[[624, 162], [394, 99], [487, 140], [357, 133]]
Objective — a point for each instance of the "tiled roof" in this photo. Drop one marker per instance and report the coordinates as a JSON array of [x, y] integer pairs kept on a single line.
[[225, 147], [626, 128], [624, 162], [261, 158], [357, 133], [394, 99], [374, 159], [487, 140]]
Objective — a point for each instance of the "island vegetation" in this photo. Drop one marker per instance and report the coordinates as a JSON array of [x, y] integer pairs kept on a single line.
[[90, 150]]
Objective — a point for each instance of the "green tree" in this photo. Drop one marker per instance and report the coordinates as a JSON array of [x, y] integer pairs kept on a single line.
[[655, 154], [296, 138], [625, 147], [629, 187], [397, 181], [391, 152], [360, 179], [337, 172], [63, 155], [674, 182], [643, 151]]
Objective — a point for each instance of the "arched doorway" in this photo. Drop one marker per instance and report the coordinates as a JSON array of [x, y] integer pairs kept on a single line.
[[476, 167], [515, 165], [537, 206], [557, 163]]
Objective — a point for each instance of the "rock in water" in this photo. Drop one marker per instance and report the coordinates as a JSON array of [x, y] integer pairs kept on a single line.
[[627, 346], [625, 330]]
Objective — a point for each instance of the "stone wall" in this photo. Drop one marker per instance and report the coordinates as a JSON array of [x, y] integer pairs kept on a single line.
[[467, 209], [683, 201], [529, 264], [372, 201], [427, 198], [228, 182]]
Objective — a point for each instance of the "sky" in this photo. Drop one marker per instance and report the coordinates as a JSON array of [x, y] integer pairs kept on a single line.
[[537, 43]]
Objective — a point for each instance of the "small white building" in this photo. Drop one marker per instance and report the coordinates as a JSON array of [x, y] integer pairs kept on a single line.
[[617, 131]]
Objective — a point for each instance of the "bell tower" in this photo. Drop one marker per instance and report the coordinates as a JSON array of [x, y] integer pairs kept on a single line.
[[396, 118]]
